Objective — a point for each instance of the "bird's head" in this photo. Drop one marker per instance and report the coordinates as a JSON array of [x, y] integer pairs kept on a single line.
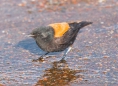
[[42, 33]]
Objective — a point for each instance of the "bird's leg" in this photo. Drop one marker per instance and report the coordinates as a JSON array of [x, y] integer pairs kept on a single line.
[[41, 57], [66, 52]]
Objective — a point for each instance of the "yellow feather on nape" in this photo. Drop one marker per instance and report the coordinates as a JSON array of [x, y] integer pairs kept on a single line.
[[60, 28]]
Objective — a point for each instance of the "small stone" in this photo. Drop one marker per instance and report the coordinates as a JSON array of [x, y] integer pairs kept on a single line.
[[111, 32], [101, 1], [104, 72], [33, 0], [100, 65], [3, 31], [102, 22], [22, 4], [86, 58], [90, 42], [113, 68], [29, 11], [80, 79], [107, 70], [23, 33], [105, 56]]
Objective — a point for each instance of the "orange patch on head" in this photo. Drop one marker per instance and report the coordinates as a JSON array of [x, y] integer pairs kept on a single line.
[[60, 28]]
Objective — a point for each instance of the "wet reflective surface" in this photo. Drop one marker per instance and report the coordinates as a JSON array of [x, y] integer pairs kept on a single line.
[[59, 74], [92, 60]]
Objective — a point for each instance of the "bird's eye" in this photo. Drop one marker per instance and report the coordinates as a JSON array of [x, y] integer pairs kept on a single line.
[[43, 35]]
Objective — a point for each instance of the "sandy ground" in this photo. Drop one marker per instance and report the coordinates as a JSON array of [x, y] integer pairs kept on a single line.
[[93, 60]]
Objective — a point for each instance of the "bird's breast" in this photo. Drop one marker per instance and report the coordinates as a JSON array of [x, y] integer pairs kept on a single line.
[[51, 46]]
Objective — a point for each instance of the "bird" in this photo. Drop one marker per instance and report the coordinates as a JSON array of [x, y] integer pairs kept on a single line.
[[57, 37]]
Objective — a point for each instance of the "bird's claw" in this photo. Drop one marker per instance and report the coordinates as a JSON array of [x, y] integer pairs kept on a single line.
[[62, 60], [40, 59]]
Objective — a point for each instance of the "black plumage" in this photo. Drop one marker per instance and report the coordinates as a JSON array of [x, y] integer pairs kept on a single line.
[[45, 39]]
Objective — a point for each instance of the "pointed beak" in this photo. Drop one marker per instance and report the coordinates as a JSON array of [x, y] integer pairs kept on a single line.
[[31, 35]]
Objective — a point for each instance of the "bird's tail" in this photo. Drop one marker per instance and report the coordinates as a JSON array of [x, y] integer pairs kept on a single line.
[[71, 34], [77, 26], [83, 24]]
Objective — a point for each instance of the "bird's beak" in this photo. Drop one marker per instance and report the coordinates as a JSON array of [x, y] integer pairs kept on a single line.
[[31, 35]]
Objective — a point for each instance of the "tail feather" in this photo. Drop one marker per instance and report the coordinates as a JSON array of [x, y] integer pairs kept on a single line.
[[79, 25], [75, 27], [83, 23]]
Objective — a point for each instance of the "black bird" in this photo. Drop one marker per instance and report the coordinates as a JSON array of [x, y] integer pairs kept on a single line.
[[57, 36]]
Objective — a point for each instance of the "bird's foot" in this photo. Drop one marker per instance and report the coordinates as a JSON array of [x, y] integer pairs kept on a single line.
[[62, 60], [40, 59]]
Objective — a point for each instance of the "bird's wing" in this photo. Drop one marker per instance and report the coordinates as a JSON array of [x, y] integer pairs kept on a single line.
[[60, 28], [70, 35]]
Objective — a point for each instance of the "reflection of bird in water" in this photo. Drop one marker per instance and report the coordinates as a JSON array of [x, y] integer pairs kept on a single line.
[[59, 75]]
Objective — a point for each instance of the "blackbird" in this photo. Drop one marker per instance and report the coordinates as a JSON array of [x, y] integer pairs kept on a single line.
[[57, 36]]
